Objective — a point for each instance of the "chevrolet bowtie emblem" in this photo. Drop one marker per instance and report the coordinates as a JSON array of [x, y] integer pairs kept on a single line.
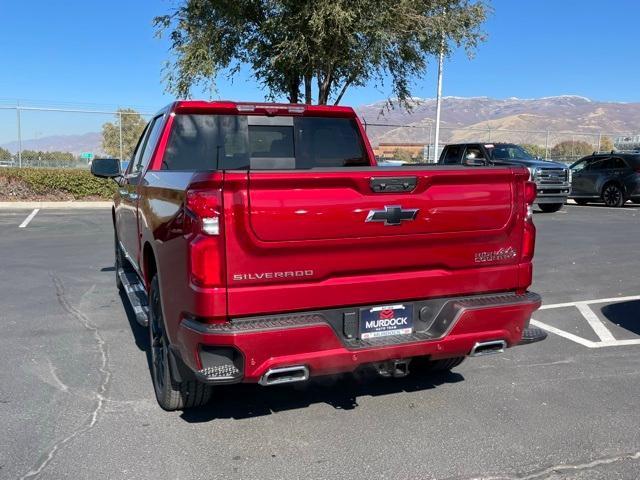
[[392, 215]]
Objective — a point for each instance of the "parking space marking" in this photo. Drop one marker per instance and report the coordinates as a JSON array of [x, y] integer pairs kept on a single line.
[[603, 333], [29, 218], [561, 333]]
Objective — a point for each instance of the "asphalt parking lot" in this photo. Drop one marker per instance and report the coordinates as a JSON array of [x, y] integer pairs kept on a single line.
[[76, 399]]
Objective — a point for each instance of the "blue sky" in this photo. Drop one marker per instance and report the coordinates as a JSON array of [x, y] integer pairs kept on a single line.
[[105, 54]]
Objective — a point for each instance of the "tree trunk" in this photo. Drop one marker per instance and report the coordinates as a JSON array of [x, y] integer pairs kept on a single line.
[[307, 88], [294, 88]]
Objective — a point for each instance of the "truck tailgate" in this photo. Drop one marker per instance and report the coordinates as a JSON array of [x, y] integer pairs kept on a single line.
[[301, 240]]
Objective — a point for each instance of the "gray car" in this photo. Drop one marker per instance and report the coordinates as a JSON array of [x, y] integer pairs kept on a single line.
[[611, 177]]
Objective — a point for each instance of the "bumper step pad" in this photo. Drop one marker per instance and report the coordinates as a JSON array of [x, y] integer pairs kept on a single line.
[[532, 335], [137, 295]]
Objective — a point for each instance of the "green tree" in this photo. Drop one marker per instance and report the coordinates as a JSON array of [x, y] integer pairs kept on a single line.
[[535, 150], [5, 154], [53, 159], [606, 144], [570, 150], [132, 126], [321, 46]]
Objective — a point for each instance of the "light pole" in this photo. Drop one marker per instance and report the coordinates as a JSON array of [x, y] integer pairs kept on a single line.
[[438, 101]]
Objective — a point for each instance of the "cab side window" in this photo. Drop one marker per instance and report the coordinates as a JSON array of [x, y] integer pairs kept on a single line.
[[474, 153], [149, 142], [598, 165], [137, 152], [618, 164], [452, 155], [580, 166]]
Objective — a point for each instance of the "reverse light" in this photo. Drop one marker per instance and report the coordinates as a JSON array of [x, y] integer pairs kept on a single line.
[[211, 225], [205, 204]]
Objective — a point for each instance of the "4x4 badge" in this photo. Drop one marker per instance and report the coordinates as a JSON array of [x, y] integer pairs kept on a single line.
[[392, 215]]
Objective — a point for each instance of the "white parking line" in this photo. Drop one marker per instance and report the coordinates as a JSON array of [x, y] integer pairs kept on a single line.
[[562, 333], [590, 302], [606, 337], [603, 333], [29, 218]]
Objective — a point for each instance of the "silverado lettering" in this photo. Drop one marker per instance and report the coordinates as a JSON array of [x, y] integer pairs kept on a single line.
[[272, 275], [221, 199]]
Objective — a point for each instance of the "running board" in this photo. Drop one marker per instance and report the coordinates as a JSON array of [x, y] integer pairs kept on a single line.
[[137, 295]]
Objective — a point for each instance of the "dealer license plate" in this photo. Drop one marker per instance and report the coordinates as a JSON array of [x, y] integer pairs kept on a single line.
[[386, 320]]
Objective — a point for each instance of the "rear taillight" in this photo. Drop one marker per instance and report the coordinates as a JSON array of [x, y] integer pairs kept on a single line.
[[530, 192], [529, 234], [206, 245]]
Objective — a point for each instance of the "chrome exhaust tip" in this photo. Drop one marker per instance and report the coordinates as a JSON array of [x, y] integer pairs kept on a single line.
[[488, 348], [279, 376]]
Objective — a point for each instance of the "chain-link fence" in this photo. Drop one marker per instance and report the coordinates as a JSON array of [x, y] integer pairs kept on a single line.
[[416, 143], [66, 137], [72, 137]]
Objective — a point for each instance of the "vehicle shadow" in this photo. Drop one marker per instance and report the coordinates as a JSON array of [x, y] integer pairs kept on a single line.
[[339, 391], [624, 314], [140, 334], [626, 206]]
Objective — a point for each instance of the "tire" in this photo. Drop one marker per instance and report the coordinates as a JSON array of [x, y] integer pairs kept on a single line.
[[422, 365], [171, 394], [551, 207], [613, 195], [581, 201], [120, 260]]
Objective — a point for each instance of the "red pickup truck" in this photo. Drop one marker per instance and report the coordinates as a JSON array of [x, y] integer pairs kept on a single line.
[[260, 243]]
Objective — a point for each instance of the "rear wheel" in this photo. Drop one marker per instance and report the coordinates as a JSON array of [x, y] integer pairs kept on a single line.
[[581, 201], [171, 394], [613, 195], [550, 207]]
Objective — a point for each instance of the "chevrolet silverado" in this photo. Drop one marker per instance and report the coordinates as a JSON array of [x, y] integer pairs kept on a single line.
[[260, 243]]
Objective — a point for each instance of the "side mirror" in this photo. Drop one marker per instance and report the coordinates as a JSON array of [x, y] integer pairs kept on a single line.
[[106, 167], [474, 162]]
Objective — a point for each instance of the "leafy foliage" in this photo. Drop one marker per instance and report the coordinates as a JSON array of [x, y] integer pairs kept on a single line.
[[570, 150], [5, 154], [335, 44], [606, 144], [75, 182], [535, 150], [132, 126], [37, 158]]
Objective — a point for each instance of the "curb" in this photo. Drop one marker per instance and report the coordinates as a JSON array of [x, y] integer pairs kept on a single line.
[[49, 205]]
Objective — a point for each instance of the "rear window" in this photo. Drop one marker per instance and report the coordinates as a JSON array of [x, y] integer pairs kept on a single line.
[[212, 142]]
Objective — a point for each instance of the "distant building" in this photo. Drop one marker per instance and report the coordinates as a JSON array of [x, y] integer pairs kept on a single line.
[[416, 152], [630, 142]]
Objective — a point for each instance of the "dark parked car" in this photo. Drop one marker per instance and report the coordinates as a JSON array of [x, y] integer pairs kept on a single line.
[[610, 177], [553, 180]]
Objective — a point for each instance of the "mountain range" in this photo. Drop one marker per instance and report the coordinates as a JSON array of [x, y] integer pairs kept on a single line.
[[463, 119], [76, 144], [468, 119]]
